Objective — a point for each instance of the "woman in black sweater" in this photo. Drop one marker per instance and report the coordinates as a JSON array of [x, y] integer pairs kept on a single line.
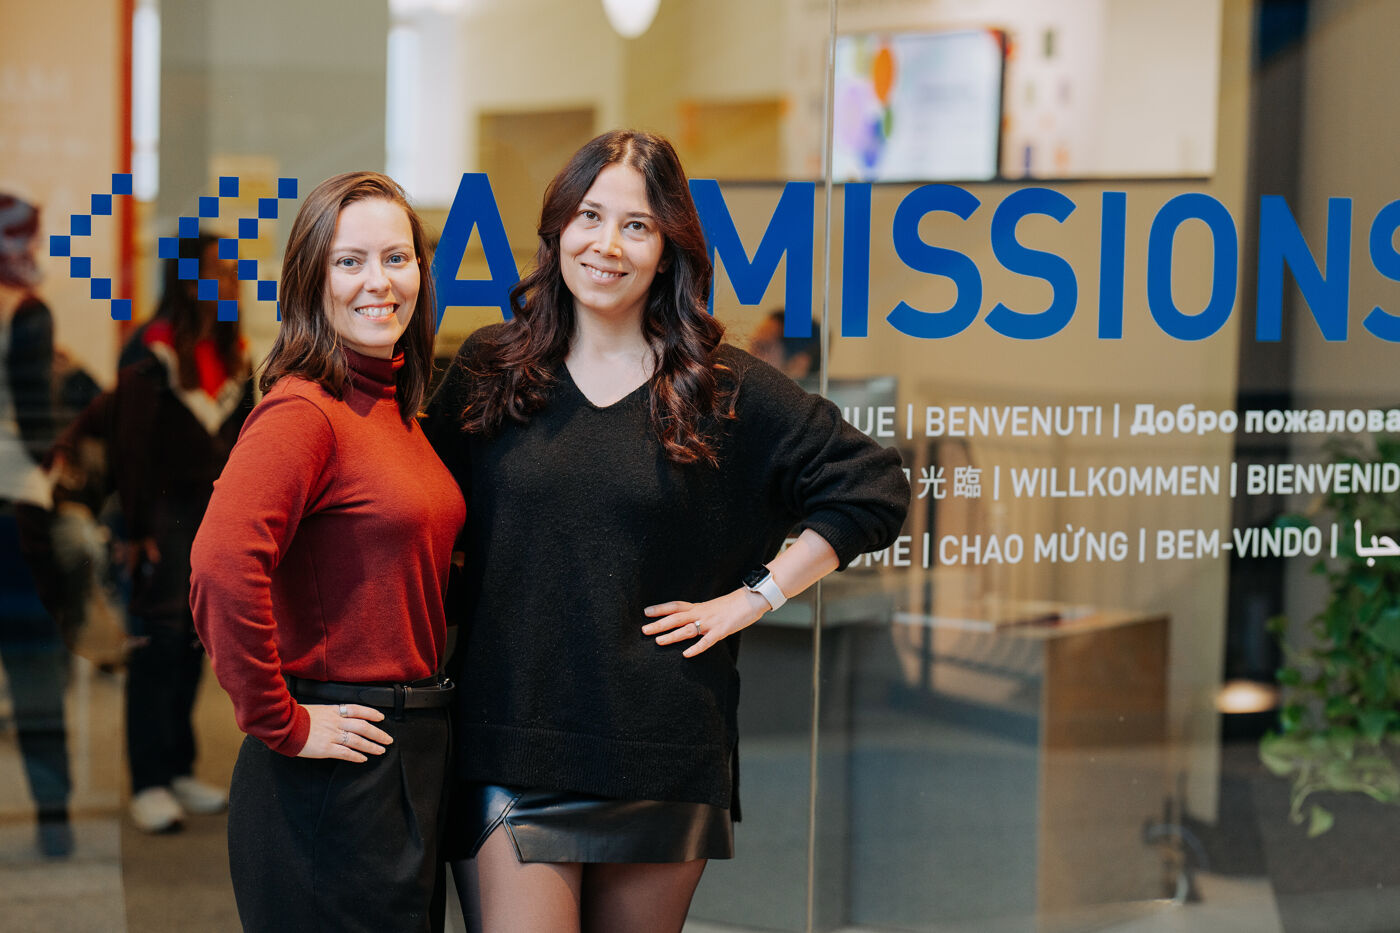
[[627, 475]]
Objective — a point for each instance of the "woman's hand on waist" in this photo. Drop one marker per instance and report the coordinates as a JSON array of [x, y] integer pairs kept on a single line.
[[809, 558], [708, 622], [344, 731]]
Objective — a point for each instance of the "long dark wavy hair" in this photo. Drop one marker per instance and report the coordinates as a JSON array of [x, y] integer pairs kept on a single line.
[[514, 370], [191, 318], [307, 344]]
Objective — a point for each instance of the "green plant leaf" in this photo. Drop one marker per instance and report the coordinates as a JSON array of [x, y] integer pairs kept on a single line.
[[1339, 730], [1374, 723], [1319, 821], [1340, 742], [1385, 631], [1340, 708], [1279, 753], [1376, 776], [1376, 683], [1336, 621], [1344, 658]]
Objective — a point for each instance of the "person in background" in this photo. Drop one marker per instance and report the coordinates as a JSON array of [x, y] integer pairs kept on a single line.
[[798, 358], [134, 350], [31, 649], [318, 578], [172, 420], [91, 615], [631, 480]]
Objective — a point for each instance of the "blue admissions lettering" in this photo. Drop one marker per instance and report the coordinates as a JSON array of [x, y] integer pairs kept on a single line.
[[790, 234]]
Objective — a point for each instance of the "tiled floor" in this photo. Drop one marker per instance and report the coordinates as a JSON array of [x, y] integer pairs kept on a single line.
[[81, 894], [120, 880], [117, 879]]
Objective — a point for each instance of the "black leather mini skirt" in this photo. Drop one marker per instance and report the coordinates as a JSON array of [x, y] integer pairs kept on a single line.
[[563, 826]]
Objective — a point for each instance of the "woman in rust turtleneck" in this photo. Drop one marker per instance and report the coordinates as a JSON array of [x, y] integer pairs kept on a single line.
[[318, 575]]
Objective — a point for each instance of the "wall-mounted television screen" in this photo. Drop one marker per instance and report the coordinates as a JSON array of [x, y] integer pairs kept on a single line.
[[918, 106]]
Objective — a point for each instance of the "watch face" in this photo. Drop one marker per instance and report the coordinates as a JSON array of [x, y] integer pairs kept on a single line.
[[754, 577]]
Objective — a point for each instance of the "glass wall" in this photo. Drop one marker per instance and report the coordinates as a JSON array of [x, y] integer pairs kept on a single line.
[[1116, 277]]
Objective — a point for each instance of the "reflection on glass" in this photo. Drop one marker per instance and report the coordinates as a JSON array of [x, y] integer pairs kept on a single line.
[[966, 91], [918, 106], [946, 729]]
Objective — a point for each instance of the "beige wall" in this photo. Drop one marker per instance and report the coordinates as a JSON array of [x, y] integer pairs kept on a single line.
[[647, 82], [1350, 138], [1160, 64], [264, 89], [229, 81], [60, 133], [1074, 367]]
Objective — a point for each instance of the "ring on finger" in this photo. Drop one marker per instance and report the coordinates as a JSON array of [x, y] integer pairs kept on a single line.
[[344, 711], [344, 737], [698, 632]]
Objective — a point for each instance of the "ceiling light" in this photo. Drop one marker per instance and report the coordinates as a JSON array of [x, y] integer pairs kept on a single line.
[[1246, 696], [631, 18]]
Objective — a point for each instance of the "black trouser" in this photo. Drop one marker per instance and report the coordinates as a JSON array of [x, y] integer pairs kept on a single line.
[[324, 844], [36, 665], [162, 678]]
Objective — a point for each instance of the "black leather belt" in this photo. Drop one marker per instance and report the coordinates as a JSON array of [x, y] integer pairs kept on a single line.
[[429, 693]]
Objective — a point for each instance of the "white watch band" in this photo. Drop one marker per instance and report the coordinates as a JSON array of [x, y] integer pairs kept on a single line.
[[768, 588]]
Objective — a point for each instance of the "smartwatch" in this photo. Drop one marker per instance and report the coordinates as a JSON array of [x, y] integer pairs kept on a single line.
[[760, 580]]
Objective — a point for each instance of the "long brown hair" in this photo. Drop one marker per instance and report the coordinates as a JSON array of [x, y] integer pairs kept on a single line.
[[190, 318], [515, 369], [307, 344]]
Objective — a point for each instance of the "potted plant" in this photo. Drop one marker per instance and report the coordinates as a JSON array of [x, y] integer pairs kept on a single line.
[[1339, 727]]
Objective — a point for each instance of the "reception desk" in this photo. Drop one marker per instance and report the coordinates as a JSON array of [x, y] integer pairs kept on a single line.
[[984, 767]]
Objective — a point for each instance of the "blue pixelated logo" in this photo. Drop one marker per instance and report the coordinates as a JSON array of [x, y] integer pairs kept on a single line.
[[80, 267], [168, 247]]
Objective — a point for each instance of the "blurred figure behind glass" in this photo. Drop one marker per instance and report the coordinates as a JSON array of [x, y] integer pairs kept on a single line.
[[174, 417], [798, 358], [31, 650]]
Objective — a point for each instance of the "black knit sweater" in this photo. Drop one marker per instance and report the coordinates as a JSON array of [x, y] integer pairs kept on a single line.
[[576, 521]]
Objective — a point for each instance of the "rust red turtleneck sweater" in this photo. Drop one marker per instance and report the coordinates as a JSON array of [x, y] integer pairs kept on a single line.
[[324, 551]]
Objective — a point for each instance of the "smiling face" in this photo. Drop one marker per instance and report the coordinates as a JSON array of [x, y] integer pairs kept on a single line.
[[224, 271], [372, 283], [611, 249]]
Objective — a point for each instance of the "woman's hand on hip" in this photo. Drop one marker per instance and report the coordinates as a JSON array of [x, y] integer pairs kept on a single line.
[[706, 622], [344, 732]]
